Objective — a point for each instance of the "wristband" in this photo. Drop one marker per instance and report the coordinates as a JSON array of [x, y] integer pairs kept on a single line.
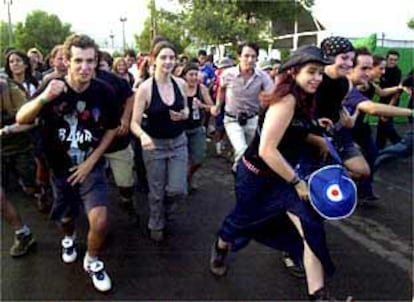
[[43, 101], [7, 129], [295, 180], [141, 133]]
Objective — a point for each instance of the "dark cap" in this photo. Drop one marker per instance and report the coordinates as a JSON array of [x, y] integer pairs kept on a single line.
[[333, 46], [303, 55], [225, 62]]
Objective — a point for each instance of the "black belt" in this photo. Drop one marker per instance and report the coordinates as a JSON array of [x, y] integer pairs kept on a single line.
[[237, 116]]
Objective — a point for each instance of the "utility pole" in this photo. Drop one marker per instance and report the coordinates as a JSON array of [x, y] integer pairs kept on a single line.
[[123, 20], [153, 29], [111, 36], [9, 3]]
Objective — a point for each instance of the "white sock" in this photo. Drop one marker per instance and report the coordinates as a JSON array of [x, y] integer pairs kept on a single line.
[[89, 258], [23, 230], [71, 237]]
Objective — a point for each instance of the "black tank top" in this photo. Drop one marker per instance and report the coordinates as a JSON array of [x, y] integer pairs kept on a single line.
[[291, 144], [196, 117], [158, 123]]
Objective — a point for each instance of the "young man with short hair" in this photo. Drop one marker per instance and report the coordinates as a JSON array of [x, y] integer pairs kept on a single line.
[[240, 86], [77, 125]]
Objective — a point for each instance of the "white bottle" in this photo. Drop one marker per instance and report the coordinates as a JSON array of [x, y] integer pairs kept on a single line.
[[196, 109]]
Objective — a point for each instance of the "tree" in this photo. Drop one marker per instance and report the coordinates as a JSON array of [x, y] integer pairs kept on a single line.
[[219, 22], [410, 23], [42, 31], [4, 40], [168, 25], [232, 21]]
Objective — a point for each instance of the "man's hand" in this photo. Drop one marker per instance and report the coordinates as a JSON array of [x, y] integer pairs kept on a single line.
[[346, 119], [123, 129], [325, 122], [80, 172], [53, 90]]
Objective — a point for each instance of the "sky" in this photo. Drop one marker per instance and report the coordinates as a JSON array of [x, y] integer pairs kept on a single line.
[[350, 18]]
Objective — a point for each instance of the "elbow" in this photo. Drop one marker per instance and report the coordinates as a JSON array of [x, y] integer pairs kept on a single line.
[[21, 119], [264, 153], [373, 111]]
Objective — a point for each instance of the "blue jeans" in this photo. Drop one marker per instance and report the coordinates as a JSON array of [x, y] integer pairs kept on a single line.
[[260, 214], [166, 167]]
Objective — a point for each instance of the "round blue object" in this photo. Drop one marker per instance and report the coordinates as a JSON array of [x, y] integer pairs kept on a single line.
[[332, 193]]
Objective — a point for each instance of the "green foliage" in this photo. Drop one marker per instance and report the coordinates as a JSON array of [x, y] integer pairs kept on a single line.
[[4, 40], [42, 31], [217, 22], [369, 42], [410, 23], [168, 25], [284, 54]]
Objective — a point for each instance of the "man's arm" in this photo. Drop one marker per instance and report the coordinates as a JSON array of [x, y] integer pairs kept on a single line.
[[372, 108], [126, 116], [29, 111]]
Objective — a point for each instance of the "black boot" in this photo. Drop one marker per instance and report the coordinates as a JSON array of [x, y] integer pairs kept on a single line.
[[321, 294]]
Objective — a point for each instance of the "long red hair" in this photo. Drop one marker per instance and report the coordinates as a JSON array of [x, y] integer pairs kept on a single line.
[[286, 84]]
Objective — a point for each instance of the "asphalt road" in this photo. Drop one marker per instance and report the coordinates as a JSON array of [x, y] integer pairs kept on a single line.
[[372, 251]]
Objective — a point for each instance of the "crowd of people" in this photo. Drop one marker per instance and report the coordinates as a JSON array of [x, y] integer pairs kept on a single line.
[[146, 120]]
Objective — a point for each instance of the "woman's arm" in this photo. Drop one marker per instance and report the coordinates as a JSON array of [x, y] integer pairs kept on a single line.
[[208, 102], [276, 121]]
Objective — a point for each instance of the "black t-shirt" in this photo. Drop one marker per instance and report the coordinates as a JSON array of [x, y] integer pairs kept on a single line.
[[329, 97], [390, 78], [122, 92], [73, 124]]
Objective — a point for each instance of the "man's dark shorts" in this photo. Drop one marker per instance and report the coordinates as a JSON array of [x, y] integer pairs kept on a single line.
[[93, 192]]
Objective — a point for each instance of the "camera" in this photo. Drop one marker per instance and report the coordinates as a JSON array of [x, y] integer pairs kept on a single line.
[[242, 118]]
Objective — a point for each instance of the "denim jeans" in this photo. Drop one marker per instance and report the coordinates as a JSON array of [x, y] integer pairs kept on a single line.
[[240, 136], [166, 167]]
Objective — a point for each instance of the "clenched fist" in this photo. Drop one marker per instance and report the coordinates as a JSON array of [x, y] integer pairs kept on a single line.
[[54, 89]]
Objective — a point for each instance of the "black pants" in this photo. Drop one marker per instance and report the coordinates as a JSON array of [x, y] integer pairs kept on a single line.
[[385, 131]]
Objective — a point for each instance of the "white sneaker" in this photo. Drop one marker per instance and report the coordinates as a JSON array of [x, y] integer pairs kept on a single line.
[[96, 271], [69, 253]]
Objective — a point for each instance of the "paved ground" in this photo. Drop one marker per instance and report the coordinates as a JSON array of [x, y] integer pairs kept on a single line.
[[372, 251]]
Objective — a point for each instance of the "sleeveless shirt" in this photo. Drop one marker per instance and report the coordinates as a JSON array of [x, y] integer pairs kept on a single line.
[[158, 123]]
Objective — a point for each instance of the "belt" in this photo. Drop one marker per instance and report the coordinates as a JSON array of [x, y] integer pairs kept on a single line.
[[237, 115], [255, 170]]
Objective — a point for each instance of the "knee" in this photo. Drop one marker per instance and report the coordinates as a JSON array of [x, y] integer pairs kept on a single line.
[[362, 172], [98, 221]]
